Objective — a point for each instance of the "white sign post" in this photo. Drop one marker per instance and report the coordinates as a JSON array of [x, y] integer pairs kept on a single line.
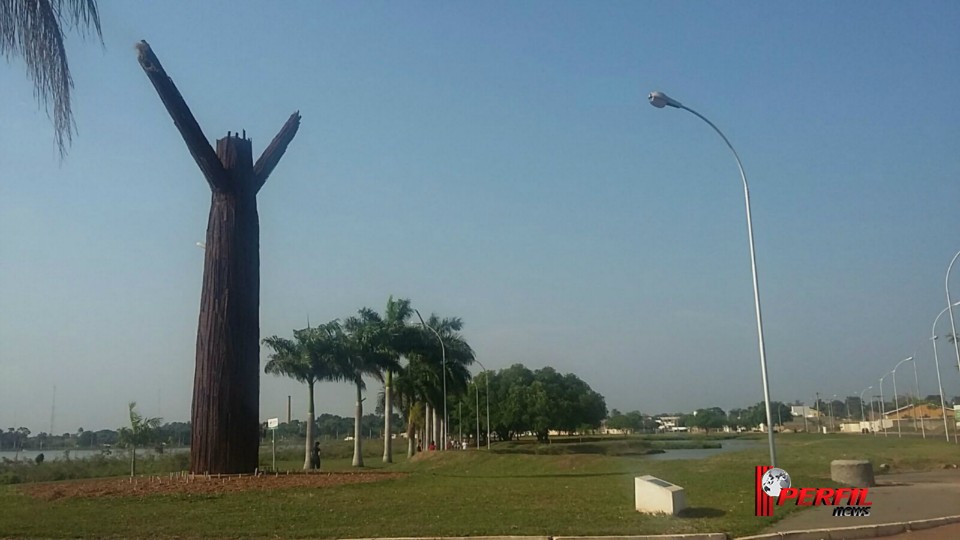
[[272, 423]]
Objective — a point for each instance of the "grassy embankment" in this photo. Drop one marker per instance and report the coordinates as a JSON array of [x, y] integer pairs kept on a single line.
[[463, 493]]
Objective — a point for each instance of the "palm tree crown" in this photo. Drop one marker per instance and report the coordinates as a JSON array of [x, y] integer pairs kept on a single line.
[[315, 354], [34, 31]]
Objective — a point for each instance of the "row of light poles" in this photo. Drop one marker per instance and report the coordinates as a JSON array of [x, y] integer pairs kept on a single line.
[[661, 100], [443, 356], [936, 359], [486, 376]]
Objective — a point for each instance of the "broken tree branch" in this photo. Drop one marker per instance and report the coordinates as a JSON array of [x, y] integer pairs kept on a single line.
[[190, 130], [272, 154]]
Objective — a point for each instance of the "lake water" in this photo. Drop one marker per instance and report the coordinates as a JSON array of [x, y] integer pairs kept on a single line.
[[731, 445], [53, 455]]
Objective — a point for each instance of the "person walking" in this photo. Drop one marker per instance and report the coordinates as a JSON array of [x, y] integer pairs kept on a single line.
[[315, 456]]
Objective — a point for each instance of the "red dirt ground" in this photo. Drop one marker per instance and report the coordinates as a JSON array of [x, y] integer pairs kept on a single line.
[[143, 486]]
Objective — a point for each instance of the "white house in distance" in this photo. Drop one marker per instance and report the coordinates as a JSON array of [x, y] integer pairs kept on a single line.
[[669, 423], [801, 411]]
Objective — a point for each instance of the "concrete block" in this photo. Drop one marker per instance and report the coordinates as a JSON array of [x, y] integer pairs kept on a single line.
[[655, 496], [852, 472]]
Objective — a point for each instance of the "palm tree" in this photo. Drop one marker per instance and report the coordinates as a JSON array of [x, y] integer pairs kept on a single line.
[[399, 340], [34, 31], [314, 355], [142, 431], [367, 356]]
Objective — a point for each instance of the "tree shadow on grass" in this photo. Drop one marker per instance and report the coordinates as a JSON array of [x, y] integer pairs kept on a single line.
[[701, 512]]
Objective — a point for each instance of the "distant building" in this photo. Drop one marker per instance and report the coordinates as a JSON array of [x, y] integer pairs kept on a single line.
[[911, 411], [801, 411], [866, 427], [669, 423], [604, 430]]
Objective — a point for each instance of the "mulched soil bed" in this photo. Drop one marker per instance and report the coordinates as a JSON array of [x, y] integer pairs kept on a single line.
[[143, 486]]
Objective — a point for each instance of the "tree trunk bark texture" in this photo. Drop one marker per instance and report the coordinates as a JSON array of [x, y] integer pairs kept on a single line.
[[226, 389]]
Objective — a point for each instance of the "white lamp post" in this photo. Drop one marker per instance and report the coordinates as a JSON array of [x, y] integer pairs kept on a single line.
[[953, 326], [660, 100], [486, 378], [936, 361], [916, 400], [882, 412], [834, 398], [476, 388], [443, 355], [863, 416], [896, 400]]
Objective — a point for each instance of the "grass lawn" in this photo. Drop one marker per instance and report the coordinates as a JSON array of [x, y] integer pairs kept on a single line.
[[466, 493]]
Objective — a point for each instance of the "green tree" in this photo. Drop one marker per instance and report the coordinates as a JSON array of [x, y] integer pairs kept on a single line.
[[508, 391], [707, 419], [34, 30], [757, 414], [314, 355], [142, 431], [629, 422], [543, 401], [617, 420]]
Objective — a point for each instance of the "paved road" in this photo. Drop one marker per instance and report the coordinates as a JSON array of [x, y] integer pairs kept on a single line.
[[896, 498]]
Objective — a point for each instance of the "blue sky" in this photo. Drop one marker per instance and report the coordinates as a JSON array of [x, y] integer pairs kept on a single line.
[[498, 161]]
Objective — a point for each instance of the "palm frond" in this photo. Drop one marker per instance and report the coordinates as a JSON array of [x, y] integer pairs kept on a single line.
[[34, 31]]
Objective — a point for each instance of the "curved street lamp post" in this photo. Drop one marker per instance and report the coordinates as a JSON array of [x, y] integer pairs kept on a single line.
[[831, 411], [486, 378], [936, 361], [953, 326], [896, 400], [882, 412], [863, 416], [660, 100], [916, 400], [443, 355]]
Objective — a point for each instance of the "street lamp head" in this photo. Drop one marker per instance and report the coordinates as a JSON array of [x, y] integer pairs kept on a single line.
[[661, 100]]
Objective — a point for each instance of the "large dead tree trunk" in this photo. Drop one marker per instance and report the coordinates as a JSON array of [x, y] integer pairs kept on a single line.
[[226, 388]]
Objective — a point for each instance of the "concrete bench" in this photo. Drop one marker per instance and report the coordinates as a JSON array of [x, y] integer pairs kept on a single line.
[[852, 472], [655, 496]]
